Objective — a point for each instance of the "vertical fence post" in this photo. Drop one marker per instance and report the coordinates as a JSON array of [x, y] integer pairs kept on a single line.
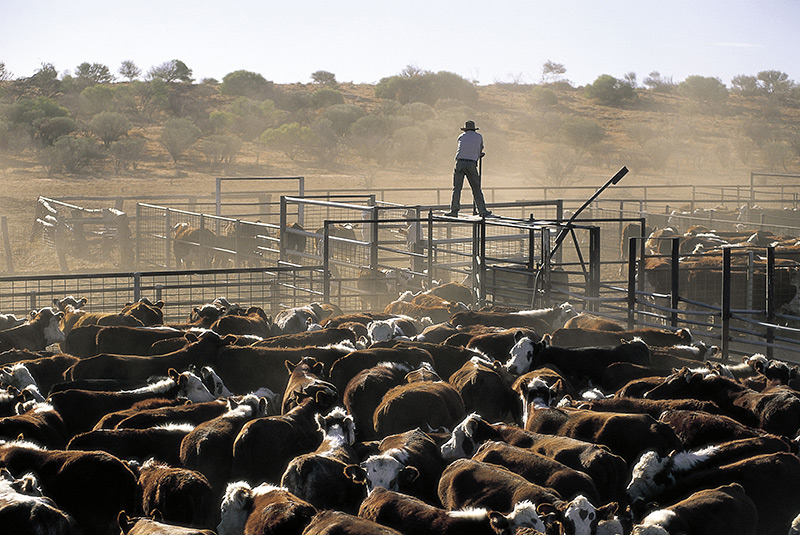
[[770, 301], [631, 280], [726, 302], [594, 268], [676, 281], [282, 229], [202, 245], [751, 272], [543, 288], [159, 292], [430, 243], [32, 301], [237, 232], [137, 286], [373, 239], [167, 238], [138, 257], [326, 273], [481, 271]]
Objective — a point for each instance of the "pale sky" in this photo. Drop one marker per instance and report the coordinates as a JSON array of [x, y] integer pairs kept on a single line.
[[363, 41]]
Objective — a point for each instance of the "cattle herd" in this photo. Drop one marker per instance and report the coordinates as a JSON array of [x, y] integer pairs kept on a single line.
[[427, 417]]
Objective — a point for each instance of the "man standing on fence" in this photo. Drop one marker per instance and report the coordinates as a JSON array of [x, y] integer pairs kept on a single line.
[[470, 150]]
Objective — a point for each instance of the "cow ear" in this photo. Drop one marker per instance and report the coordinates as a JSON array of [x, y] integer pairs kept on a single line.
[[547, 509], [318, 369], [290, 365], [262, 405], [229, 340], [156, 515], [498, 521], [173, 374], [518, 335], [320, 420], [355, 473], [547, 339], [409, 474], [159, 304], [191, 337], [124, 522], [607, 511]]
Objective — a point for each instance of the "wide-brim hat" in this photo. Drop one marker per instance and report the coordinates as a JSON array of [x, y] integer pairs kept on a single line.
[[469, 125]]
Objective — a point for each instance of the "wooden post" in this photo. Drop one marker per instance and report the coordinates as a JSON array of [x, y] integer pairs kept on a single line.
[[7, 245]]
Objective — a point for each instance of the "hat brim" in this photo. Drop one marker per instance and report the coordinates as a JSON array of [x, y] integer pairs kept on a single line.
[[468, 129]]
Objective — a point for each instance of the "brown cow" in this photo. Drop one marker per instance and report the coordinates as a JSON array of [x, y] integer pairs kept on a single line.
[[90, 486], [262, 510]]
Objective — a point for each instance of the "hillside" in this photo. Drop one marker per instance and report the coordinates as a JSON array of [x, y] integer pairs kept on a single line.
[[564, 139]]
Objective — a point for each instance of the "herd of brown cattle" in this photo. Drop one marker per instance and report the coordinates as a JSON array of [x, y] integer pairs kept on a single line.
[[425, 418]]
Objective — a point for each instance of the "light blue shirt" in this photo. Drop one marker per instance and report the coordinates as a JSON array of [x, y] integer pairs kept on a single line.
[[470, 146]]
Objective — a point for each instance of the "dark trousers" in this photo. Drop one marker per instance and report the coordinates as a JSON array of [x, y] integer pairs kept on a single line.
[[469, 169]]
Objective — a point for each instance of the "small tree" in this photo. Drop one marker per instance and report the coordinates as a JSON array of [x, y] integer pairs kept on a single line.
[[342, 117], [745, 85], [706, 90], [5, 74], [610, 91], [171, 71], [109, 126], [69, 154], [775, 82], [291, 139], [325, 97], [658, 83], [96, 98], [127, 152], [129, 70], [560, 163], [93, 73], [220, 148], [552, 72], [581, 133], [178, 135], [45, 80], [324, 78], [246, 84], [50, 129]]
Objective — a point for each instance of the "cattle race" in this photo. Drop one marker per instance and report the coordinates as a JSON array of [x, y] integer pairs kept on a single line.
[[342, 364]]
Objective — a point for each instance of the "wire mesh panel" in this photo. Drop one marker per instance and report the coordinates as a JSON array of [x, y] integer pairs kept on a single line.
[[168, 238], [272, 289]]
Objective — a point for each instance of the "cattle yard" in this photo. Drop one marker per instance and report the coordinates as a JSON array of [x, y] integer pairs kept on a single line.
[[359, 251]]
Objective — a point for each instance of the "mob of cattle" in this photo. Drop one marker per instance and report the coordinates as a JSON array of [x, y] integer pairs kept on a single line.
[[700, 249], [490, 421]]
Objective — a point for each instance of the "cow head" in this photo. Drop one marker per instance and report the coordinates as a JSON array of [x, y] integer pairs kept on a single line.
[[524, 515], [61, 304], [190, 386], [214, 383], [581, 517], [650, 476], [235, 508], [52, 328], [678, 385], [522, 354], [386, 471], [462, 443], [563, 312], [382, 330], [337, 426]]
